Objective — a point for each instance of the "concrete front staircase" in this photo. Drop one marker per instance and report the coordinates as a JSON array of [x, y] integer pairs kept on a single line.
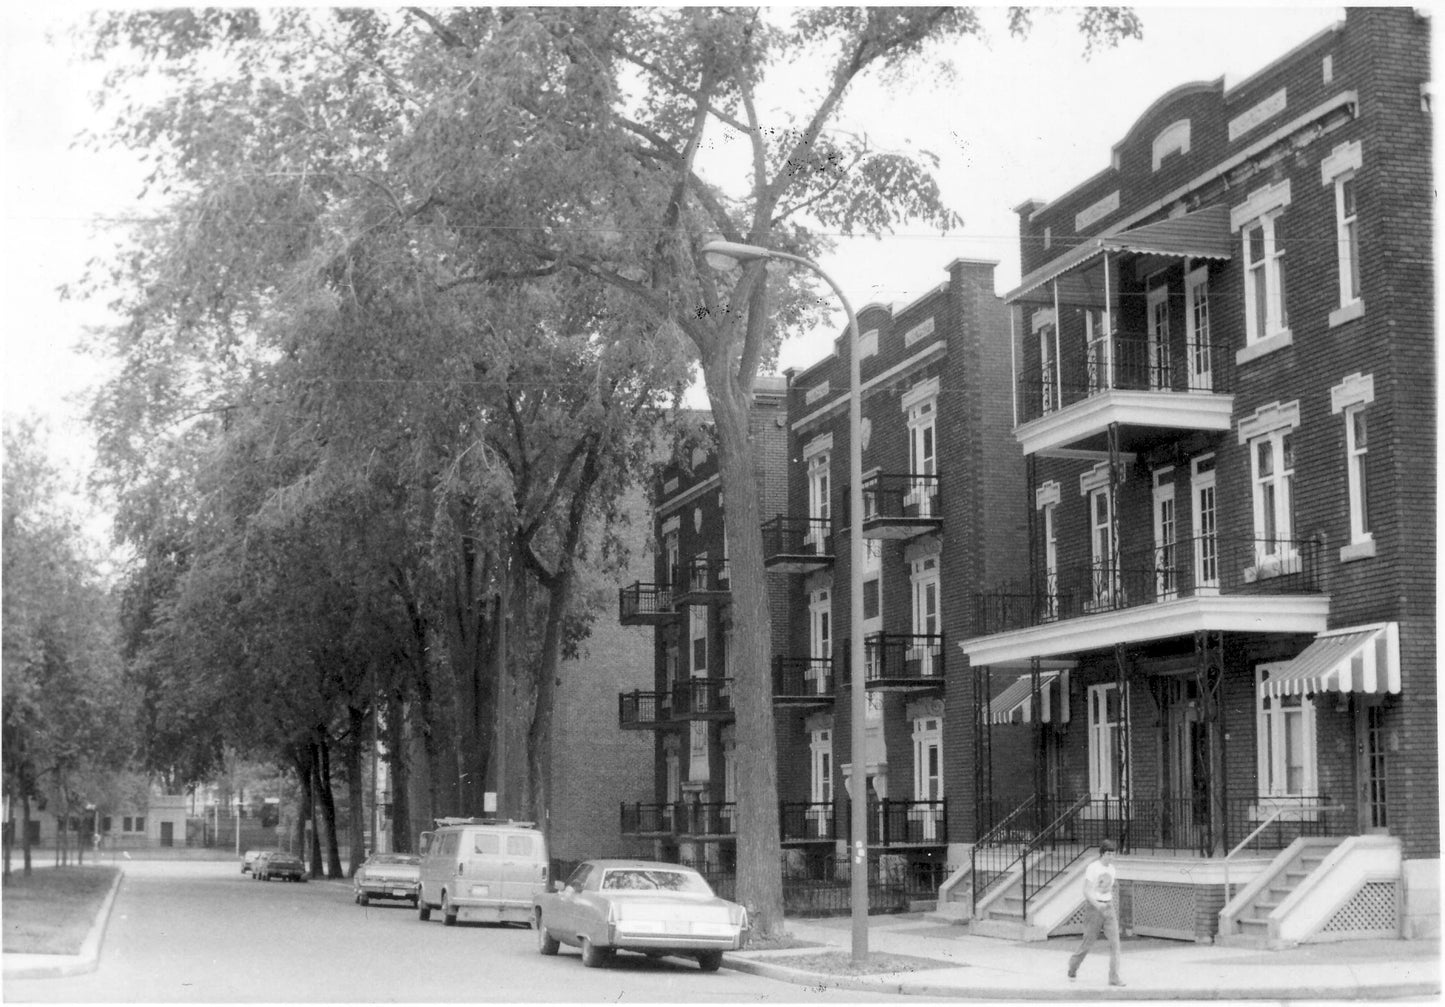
[[1298, 898], [1001, 911]]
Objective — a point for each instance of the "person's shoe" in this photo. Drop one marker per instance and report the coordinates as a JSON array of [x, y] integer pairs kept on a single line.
[[1072, 975], [1117, 982]]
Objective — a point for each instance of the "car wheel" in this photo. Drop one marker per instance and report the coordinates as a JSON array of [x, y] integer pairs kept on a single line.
[[363, 899], [593, 956], [710, 961], [449, 915], [546, 943]]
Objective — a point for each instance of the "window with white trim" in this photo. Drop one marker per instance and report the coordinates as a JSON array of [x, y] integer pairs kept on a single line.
[[820, 637], [1107, 759], [1158, 336], [820, 499], [1048, 372], [1101, 540], [1271, 459], [872, 586], [1264, 277], [921, 406], [1196, 311], [1051, 561], [928, 773], [926, 618], [671, 558], [1166, 563], [820, 749], [1357, 447], [1285, 729], [1098, 350], [697, 626], [1340, 171], [1206, 525]]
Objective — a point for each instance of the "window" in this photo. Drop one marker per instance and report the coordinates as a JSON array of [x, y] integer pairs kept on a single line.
[[1206, 526], [1340, 171], [1357, 446], [1286, 746], [820, 489], [697, 626], [1196, 308], [1260, 221], [1264, 277], [920, 404], [1158, 348], [1107, 760], [820, 792], [1166, 574], [1097, 350], [820, 637], [670, 558], [1101, 535], [927, 775], [1051, 561], [926, 619], [1272, 469], [1048, 394]]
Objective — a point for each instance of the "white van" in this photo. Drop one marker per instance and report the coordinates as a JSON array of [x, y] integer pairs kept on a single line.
[[481, 869]]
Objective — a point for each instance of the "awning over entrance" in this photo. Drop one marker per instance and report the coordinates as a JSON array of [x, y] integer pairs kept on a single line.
[[1015, 705], [1203, 234], [1357, 659]]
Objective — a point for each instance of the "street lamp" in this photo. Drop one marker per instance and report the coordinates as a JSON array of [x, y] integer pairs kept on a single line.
[[722, 255]]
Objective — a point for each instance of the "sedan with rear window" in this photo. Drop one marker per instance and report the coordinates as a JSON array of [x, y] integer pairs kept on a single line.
[[387, 876], [638, 905]]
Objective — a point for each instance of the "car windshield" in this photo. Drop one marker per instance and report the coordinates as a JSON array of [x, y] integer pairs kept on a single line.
[[395, 858], [647, 879]]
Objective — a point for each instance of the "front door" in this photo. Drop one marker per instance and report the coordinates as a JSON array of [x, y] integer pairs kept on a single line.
[[168, 833], [1370, 749], [1187, 821]]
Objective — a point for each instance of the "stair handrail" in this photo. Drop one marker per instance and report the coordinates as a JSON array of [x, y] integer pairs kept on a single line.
[[1281, 809], [1047, 833], [990, 838]]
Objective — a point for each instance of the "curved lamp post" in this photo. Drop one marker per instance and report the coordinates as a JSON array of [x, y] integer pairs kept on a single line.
[[723, 255]]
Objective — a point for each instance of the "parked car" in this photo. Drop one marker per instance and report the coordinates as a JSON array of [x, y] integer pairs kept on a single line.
[[481, 869], [638, 905], [249, 860], [278, 864], [388, 876]]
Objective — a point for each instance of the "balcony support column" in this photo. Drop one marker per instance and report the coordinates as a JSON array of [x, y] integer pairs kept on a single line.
[[982, 752], [1037, 708], [1122, 660], [1209, 672]]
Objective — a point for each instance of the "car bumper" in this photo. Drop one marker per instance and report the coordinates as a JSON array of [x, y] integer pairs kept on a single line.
[[389, 889], [628, 940]]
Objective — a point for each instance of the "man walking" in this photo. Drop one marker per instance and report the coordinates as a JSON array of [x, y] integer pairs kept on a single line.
[[1100, 912]]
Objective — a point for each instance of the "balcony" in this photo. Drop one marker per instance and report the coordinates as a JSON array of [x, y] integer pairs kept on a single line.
[[1138, 383], [656, 820], [644, 711], [707, 820], [702, 699], [905, 823], [1232, 585], [902, 662], [808, 821], [802, 681], [642, 604], [901, 506], [703, 582], [797, 545]]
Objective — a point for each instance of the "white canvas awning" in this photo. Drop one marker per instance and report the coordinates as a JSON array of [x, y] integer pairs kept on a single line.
[[1357, 659], [1015, 705]]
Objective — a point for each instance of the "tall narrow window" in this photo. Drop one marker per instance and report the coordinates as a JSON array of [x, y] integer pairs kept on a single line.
[[927, 776], [1264, 270], [1357, 447], [1101, 528], [820, 500], [1158, 378], [922, 450], [820, 638], [872, 604], [697, 624], [1107, 759], [1166, 574], [1097, 351], [1272, 460], [670, 559], [926, 619], [1286, 749], [1206, 527], [1200, 349], [1048, 374], [1051, 562], [820, 751], [1347, 225]]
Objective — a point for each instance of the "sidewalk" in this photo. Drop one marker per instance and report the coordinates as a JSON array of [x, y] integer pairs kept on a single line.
[[986, 968]]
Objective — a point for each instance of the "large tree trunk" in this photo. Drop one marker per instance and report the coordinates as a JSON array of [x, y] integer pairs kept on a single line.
[[760, 881], [363, 811], [474, 682], [25, 827], [326, 804], [396, 761], [301, 756]]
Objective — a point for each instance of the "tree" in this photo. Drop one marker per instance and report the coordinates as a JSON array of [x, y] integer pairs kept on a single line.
[[498, 146]]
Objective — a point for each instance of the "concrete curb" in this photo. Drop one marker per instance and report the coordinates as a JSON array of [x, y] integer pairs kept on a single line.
[[55, 966], [1074, 993]]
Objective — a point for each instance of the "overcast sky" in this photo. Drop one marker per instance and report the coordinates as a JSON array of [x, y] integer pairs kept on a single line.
[[1020, 120]]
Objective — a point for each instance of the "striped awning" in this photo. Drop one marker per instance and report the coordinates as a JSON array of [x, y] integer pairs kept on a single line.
[[1357, 659], [1015, 705], [1203, 234]]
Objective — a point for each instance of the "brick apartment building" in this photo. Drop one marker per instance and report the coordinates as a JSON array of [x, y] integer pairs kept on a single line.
[[1150, 544], [1225, 353]]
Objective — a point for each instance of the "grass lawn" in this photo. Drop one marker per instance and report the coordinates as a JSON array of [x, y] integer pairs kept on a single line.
[[51, 911]]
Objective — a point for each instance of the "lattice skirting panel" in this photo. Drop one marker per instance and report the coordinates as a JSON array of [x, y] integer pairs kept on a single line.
[[1163, 910], [1073, 925], [1373, 911]]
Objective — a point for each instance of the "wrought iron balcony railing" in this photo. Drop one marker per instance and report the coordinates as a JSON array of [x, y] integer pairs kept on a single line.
[[797, 545], [1190, 568], [807, 821], [902, 660], [899, 506], [702, 581], [904, 823], [641, 604], [639, 710], [1128, 362], [702, 699], [802, 681]]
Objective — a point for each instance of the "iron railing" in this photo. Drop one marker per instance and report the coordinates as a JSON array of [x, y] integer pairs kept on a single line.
[[806, 821], [1189, 568], [1132, 362], [802, 677], [901, 658], [902, 496], [798, 536], [905, 822], [644, 709], [702, 698], [700, 576], [641, 600]]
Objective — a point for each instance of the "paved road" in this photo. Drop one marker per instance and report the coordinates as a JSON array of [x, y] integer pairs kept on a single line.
[[204, 932]]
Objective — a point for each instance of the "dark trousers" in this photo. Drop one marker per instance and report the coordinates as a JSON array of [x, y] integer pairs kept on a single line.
[[1094, 921]]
